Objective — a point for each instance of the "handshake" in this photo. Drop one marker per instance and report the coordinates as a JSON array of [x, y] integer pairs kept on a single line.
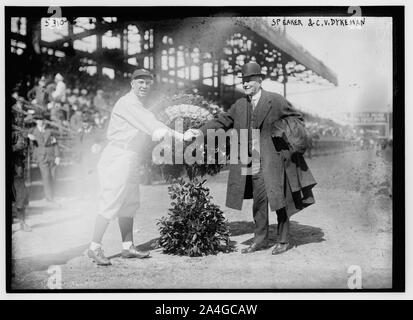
[[188, 135]]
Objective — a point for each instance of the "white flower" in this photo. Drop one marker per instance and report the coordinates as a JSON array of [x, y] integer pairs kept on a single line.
[[184, 108], [205, 112], [96, 148], [194, 109]]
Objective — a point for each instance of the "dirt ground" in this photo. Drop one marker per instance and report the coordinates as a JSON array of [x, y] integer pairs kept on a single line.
[[350, 225]]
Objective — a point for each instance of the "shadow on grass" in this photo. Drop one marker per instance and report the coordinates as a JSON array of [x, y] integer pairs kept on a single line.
[[154, 244], [33, 211], [43, 262], [299, 234], [56, 221]]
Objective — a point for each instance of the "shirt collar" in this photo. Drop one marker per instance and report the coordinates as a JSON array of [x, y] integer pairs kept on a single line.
[[256, 97]]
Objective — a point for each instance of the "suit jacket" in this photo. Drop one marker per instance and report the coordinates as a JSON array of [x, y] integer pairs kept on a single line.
[[19, 148], [45, 147], [278, 167], [40, 94]]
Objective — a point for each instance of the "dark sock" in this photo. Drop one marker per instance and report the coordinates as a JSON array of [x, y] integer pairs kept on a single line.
[[100, 227], [283, 225], [126, 228], [285, 228], [21, 214]]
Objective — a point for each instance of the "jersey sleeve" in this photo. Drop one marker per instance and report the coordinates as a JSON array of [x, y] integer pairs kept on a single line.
[[139, 117]]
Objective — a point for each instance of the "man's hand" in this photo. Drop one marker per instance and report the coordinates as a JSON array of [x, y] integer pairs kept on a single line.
[[158, 134], [57, 161], [191, 133], [96, 148], [31, 137], [178, 135]]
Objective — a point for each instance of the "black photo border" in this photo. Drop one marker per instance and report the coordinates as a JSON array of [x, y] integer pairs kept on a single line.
[[397, 13]]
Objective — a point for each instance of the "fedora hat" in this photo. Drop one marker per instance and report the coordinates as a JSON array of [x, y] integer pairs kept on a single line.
[[251, 69], [37, 115]]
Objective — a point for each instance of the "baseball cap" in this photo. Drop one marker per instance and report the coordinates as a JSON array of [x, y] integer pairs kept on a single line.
[[142, 73]]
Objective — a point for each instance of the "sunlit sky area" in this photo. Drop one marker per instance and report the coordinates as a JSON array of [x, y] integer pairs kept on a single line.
[[362, 60]]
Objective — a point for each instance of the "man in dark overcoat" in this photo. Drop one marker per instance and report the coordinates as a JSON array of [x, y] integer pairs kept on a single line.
[[281, 179], [46, 154], [19, 189]]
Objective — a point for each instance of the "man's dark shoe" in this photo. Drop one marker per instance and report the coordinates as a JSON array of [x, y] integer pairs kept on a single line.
[[252, 248], [98, 256], [280, 248], [133, 252]]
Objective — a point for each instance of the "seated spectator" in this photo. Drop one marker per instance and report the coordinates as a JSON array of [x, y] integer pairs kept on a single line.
[[73, 97], [59, 94], [56, 113], [83, 100], [76, 121], [66, 110], [50, 88], [100, 102]]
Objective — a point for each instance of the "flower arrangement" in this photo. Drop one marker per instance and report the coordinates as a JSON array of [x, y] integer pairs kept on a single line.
[[194, 226], [193, 111]]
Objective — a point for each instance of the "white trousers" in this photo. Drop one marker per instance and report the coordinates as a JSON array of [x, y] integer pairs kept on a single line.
[[118, 174]]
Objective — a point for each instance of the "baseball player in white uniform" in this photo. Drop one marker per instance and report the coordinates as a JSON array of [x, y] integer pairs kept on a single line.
[[118, 166]]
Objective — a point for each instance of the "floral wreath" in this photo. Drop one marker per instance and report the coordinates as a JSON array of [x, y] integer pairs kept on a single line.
[[194, 111]]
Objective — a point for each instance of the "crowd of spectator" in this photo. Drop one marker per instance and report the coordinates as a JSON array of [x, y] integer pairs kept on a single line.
[[325, 130], [76, 114], [55, 120], [61, 101]]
